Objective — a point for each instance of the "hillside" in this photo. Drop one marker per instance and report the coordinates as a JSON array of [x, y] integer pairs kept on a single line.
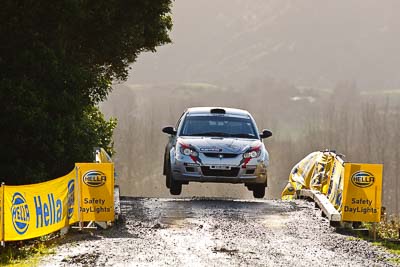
[[312, 43]]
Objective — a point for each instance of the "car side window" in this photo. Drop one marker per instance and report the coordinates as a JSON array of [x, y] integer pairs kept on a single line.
[[179, 121]]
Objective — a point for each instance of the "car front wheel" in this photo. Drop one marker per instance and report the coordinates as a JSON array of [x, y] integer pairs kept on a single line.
[[259, 191], [175, 187], [168, 179]]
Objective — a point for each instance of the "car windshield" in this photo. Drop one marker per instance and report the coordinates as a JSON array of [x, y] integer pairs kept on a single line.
[[218, 126]]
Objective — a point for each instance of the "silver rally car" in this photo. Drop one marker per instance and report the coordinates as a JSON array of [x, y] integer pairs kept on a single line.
[[219, 145]]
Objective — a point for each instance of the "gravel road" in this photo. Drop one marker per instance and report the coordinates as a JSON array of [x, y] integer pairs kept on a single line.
[[216, 232]]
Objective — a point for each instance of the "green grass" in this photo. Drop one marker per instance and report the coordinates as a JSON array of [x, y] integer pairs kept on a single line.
[[25, 253], [393, 248], [388, 236], [352, 238]]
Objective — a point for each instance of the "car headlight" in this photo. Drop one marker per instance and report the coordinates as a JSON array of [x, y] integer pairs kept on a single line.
[[252, 153], [188, 150]]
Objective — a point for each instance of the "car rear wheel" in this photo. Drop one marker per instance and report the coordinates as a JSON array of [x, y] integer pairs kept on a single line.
[[259, 191]]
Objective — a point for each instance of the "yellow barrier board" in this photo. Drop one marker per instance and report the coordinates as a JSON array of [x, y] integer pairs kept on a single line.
[[104, 157], [39, 209], [1, 214], [335, 189], [362, 192], [300, 176], [96, 191], [85, 194]]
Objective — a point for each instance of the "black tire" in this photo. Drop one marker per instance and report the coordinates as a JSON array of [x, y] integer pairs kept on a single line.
[[168, 179], [259, 191], [175, 188], [168, 175]]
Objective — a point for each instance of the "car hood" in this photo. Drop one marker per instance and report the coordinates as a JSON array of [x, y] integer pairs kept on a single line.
[[219, 144]]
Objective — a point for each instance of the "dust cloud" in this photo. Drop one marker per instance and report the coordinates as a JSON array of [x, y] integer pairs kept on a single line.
[[319, 75]]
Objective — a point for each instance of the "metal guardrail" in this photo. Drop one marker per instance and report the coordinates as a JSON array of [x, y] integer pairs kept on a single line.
[[322, 201]]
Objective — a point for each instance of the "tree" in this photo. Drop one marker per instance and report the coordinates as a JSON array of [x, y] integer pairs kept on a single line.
[[58, 60]]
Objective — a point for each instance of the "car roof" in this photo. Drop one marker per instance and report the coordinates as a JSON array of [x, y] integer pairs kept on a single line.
[[228, 111]]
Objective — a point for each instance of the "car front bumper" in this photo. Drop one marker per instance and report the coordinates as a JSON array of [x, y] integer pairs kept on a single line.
[[222, 171]]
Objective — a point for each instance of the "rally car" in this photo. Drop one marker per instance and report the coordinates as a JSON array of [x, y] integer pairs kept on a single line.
[[219, 145]]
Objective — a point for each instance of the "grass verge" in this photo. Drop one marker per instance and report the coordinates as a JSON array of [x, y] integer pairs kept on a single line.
[[392, 247], [388, 234], [26, 253]]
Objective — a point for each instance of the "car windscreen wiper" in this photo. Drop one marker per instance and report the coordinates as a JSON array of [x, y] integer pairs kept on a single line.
[[243, 135], [218, 134]]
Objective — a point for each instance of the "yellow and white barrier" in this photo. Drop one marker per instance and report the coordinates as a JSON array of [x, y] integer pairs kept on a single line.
[[353, 189], [313, 172], [85, 194]]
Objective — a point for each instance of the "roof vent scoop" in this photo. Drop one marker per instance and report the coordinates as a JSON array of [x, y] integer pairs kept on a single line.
[[218, 111]]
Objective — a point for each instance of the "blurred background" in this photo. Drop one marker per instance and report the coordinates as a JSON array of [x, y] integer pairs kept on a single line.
[[320, 75]]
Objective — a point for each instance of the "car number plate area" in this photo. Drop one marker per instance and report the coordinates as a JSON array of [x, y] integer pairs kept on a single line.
[[220, 167]]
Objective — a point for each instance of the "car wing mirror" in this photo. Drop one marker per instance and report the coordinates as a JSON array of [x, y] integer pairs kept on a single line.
[[169, 130], [265, 133]]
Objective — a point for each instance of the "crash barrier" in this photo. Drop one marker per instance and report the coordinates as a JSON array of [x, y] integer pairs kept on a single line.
[[101, 156], [353, 189], [85, 194]]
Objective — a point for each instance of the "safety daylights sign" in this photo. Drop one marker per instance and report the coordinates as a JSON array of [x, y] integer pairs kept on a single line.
[[362, 192], [97, 191]]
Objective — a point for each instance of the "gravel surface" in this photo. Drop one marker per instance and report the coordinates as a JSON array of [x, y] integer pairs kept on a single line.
[[217, 232]]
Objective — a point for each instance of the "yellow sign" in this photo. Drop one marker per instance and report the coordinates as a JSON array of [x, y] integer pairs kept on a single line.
[[362, 192], [1, 214], [85, 194], [39, 209], [96, 191]]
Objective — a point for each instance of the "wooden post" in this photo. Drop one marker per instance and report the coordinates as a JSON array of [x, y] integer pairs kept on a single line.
[[374, 231]]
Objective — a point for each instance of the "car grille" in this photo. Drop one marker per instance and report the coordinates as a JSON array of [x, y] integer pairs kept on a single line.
[[233, 172], [218, 155]]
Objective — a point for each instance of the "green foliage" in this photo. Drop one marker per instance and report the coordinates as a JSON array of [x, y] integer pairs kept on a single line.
[[392, 247], [388, 235], [25, 253], [94, 127], [58, 60], [389, 228]]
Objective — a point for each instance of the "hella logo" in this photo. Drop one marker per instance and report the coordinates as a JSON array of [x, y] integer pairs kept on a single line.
[[362, 179], [71, 198], [94, 178], [20, 213]]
